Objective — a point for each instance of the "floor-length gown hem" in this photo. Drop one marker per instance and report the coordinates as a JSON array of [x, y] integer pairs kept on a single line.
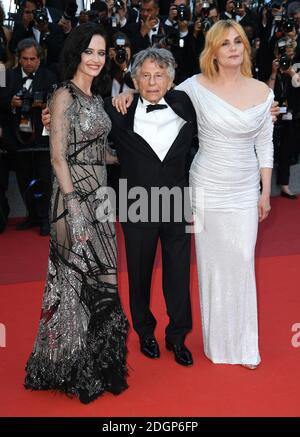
[[80, 348], [225, 180]]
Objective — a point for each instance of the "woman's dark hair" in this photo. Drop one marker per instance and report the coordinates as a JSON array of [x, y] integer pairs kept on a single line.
[[70, 58]]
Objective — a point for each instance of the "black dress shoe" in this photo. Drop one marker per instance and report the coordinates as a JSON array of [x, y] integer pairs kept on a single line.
[[149, 347], [44, 229], [182, 355], [288, 196], [28, 223]]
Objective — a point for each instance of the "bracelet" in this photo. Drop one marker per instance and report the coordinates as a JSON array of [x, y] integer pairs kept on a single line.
[[273, 78], [69, 196]]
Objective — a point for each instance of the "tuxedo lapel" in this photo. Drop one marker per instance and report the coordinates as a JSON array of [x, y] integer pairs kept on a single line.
[[174, 101], [129, 117], [36, 82], [129, 120], [18, 82]]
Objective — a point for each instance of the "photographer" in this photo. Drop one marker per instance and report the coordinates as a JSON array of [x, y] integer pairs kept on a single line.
[[274, 25], [270, 16], [68, 19], [244, 16], [287, 126], [133, 11], [117, 14], [49, 36], [53, 13], [26, 93], [111, 15], [148, 30], [120, 56], [23, 24], [227, 11], [36, 24], [182, 37], [205, 17]]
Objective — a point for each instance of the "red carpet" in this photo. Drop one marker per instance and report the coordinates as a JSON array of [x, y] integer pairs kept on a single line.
[[162, 387], [23, 255]]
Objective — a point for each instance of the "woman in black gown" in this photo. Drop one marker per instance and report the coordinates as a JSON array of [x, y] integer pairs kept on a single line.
[[81, 343]]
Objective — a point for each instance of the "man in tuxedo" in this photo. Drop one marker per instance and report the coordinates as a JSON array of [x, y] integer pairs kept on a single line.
[[143, 33], [25, 96], [42, 27], [153, 140]]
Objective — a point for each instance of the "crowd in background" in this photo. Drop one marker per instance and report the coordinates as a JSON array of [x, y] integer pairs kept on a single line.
[[32, 38]]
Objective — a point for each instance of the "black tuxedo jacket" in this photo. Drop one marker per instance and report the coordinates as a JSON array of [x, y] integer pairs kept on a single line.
[[140, 165], [43, 81], [139, 42]]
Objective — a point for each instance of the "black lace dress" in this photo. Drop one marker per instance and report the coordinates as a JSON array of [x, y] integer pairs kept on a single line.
[[80, 348]]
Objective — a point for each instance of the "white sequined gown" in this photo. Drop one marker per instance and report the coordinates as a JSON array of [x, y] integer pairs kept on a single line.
[[233, 145]]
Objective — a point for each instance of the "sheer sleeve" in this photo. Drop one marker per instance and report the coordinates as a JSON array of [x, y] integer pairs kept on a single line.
[[264, 143], [59, 130]]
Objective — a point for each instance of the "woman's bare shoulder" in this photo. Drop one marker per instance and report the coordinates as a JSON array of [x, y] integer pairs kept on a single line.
[[259, 88]]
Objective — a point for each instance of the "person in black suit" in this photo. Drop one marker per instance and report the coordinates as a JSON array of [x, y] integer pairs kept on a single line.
[[40, 26], [143, 34], [26, 93], [153, 140]]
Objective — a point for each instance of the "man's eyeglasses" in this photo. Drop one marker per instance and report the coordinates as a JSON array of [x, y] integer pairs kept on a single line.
[[157, 77]]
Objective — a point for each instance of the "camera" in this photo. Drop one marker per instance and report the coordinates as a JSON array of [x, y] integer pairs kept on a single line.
[[281, 46], [238, 5], [27, 100], [288, 25], [121, 55], [40, 16], [118, 4], [278, 17], [284, 62], [205, 9], [182, 13]]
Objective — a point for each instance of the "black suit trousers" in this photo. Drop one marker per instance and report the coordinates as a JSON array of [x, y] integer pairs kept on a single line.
[[141, 244]]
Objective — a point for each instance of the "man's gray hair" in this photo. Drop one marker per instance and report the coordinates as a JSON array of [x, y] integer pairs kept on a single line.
[[162, 57], [27, 43]]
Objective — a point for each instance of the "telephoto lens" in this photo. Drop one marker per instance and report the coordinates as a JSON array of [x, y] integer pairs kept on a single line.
[[121, 55], [284, 63]]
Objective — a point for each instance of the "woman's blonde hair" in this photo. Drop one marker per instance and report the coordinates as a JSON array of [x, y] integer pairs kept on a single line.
[[213, 41]]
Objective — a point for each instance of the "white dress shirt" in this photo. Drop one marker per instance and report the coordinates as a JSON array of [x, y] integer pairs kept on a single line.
[[159, 128]]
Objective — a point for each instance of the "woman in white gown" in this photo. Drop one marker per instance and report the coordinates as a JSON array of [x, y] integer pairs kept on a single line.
[[235, 152]]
